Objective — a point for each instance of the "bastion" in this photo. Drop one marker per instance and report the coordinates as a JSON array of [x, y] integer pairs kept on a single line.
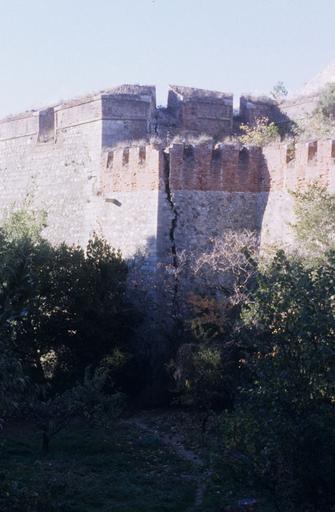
[[154, 181]]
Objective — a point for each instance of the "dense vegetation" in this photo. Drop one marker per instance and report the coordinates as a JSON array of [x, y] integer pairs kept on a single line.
[[252, 366]]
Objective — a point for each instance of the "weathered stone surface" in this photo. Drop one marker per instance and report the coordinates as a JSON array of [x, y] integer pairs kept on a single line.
[[81, 163], [201, 112]]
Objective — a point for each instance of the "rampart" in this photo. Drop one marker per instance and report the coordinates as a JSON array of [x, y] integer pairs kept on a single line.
[[90, 164]]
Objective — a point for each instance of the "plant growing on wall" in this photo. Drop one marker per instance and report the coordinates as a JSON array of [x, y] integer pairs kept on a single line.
[[279, 91], [260, 134]]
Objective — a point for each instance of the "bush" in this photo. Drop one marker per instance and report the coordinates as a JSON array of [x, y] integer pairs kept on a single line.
[[64, 309], [321, 122], [282, 432], [261, 134], [206, 368], [88, 400], [326, 103], [15, 497], [314, 209]]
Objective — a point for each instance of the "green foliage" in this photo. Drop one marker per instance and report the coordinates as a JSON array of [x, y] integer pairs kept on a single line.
[[315, 125], [281, 433], [198, 375], [206, 369], [15, 497], [279, 91], [64, 309], [90, 469], [326, 102], [260, 134], [321, 122], [314, 209], [88, 400], [13, 384], [24, 224]]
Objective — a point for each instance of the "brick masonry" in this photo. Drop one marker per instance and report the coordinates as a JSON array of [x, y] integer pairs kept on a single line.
[[81, 163]]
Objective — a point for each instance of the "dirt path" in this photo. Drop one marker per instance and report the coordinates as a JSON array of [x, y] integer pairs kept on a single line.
[[203, 474]]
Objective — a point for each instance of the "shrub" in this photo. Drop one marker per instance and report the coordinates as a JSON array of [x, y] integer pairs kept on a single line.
[[260, 134], [206, 368], [65, 308], [281, 434], [321, 122], [314, 209], [326, 102], [89, 401]]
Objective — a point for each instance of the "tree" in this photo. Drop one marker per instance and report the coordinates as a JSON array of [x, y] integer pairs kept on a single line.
[[66, 309], [314, 210], [206, 367], [326, 102], [279, 91], [281, 433], [88, 400]]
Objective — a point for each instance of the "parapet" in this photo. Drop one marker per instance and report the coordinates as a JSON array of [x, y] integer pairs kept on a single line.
[[234, 168], [294, 166], [22, 125], [192, 93], [132, 168], [217, 168], [127, 112]]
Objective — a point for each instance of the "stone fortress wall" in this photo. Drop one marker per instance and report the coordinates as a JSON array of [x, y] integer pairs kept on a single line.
[[108, 163]]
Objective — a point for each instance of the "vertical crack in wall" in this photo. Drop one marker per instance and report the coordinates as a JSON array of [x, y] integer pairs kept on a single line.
[[172, 229]]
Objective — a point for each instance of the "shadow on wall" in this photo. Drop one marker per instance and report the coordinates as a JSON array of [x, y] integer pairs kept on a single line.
[[208, 191], [205, 193], [252, 108]]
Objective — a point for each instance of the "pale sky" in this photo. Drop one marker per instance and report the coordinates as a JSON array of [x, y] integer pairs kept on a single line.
[[56, 49]]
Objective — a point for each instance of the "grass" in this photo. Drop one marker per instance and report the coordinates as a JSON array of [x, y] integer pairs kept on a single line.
[[88, 471], [124, 470]]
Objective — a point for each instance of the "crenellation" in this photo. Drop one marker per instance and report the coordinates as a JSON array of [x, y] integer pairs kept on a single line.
[[218, 168], [312, 151], [132, 168], [46, 125], [125, 157], [142, 155], [90, 164], [311, 161]]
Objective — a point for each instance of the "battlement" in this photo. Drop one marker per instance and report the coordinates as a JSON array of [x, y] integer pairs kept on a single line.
[[135, 168], [294, 166], [219, 167], [224, 167]]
